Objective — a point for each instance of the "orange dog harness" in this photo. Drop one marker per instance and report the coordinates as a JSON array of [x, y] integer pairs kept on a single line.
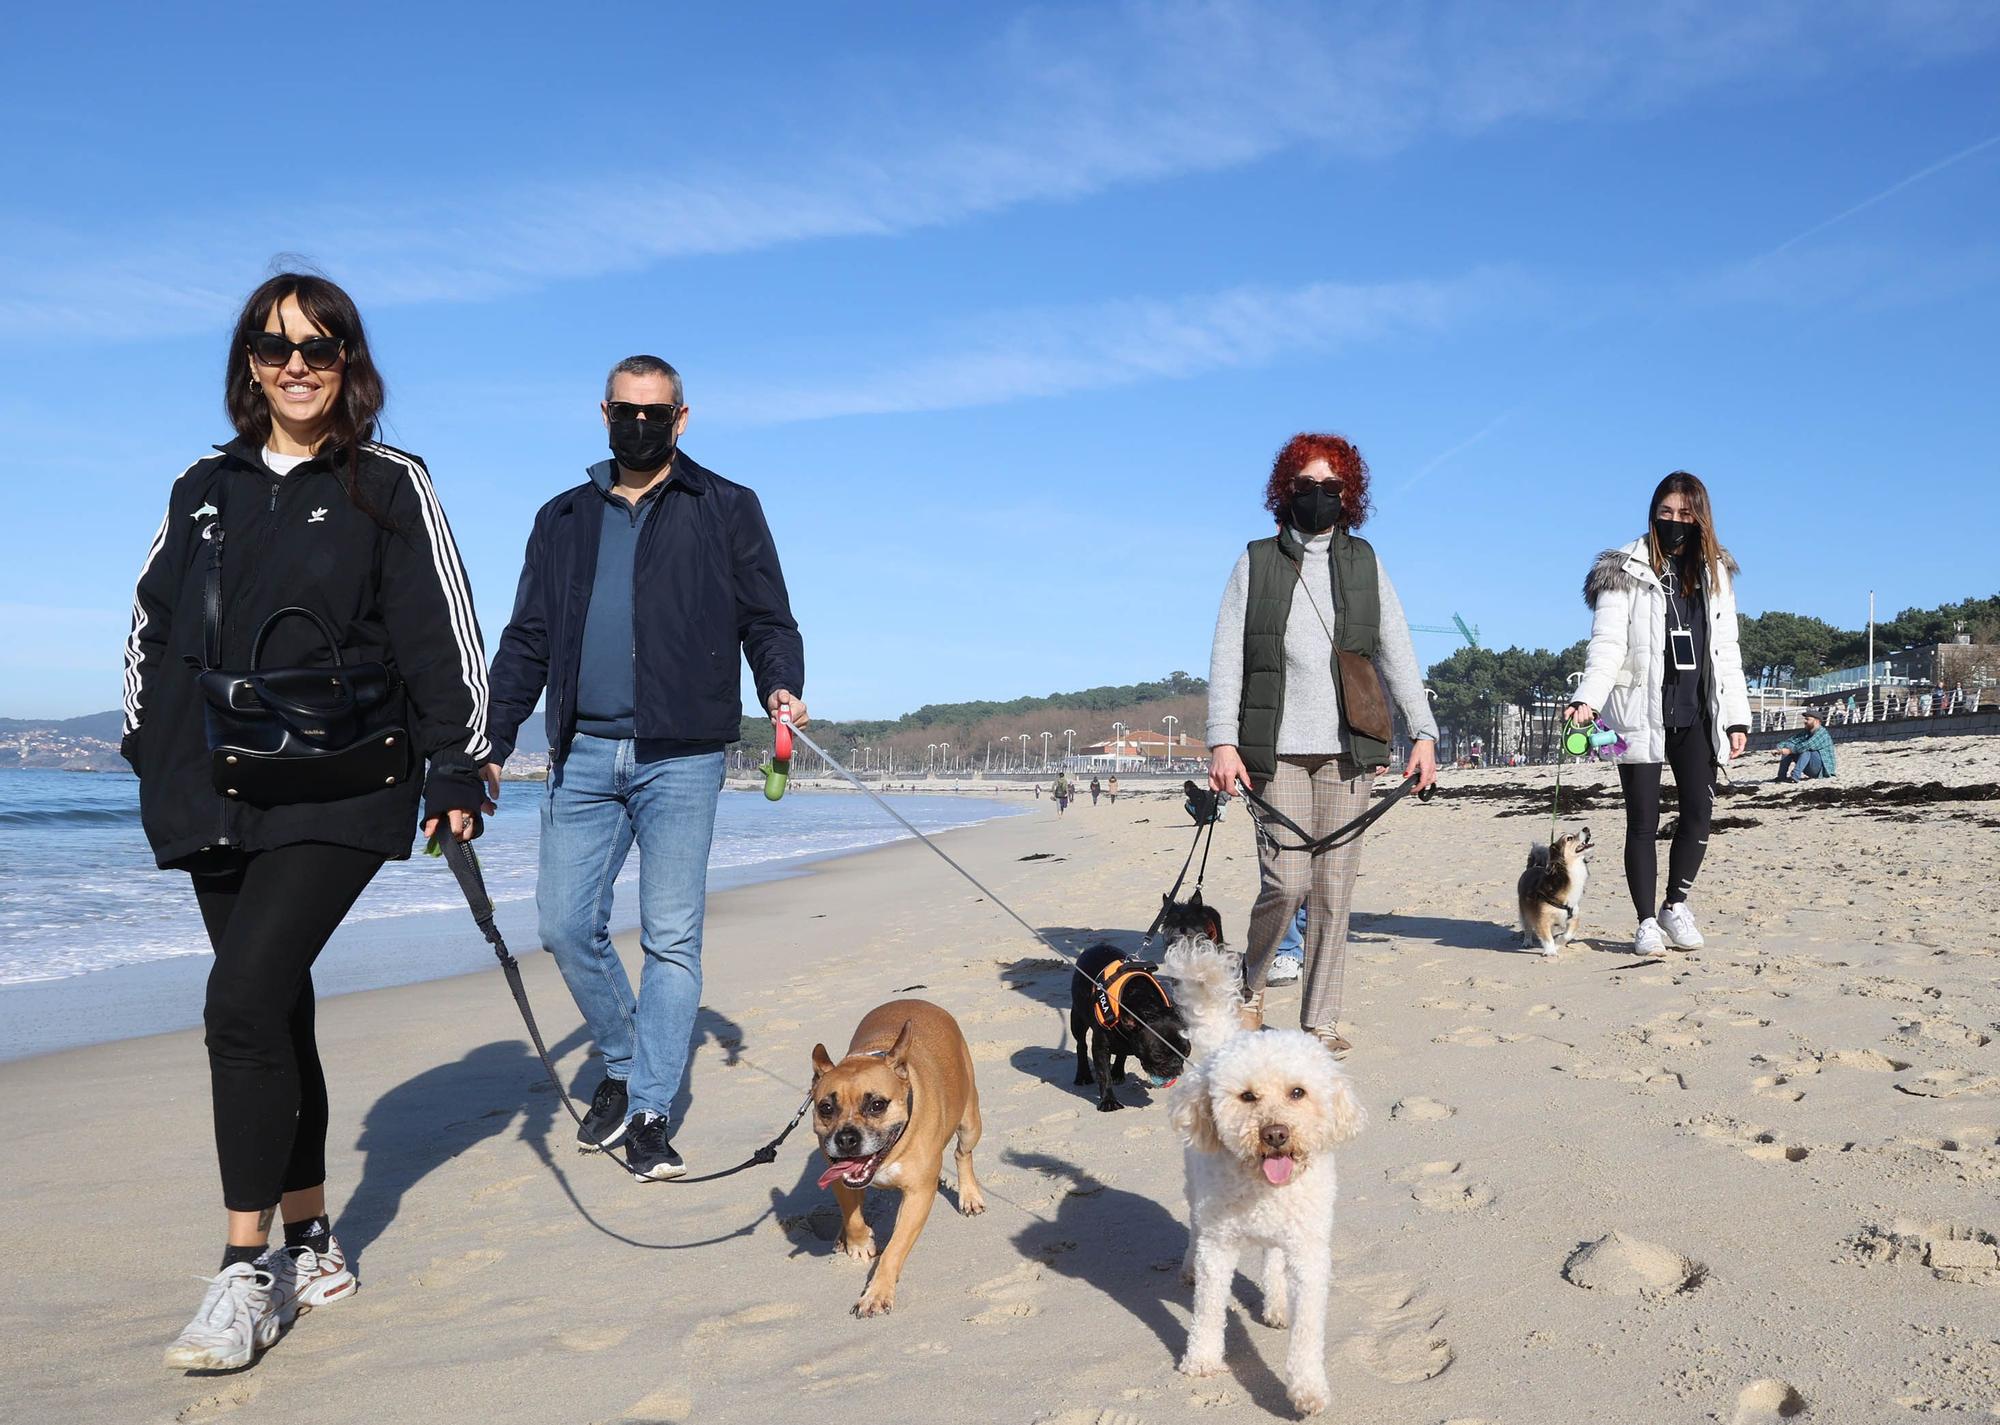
[[1109, 993]]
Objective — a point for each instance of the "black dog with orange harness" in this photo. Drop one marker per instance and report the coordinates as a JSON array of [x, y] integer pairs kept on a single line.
[[1119, 1009]]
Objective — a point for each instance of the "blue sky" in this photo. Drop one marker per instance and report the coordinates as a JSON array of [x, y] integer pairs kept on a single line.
[[1004, 310]]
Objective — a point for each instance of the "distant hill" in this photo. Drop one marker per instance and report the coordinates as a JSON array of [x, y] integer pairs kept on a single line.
[[104, 726]]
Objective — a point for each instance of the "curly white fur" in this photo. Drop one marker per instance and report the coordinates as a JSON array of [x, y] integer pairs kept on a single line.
[[1248, 1095]]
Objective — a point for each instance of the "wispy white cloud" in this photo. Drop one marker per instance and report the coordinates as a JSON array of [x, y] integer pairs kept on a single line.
[[1060, 350], [1059, 105]]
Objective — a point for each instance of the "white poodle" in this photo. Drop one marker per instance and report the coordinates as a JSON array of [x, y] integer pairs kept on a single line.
[[1260, 1111]]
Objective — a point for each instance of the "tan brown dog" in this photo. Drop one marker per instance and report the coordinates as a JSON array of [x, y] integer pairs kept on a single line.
[[883, 1115]]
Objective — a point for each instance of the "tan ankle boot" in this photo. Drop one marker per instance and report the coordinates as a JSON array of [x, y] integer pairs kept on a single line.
[[1252, 1014], [1335, 1044]]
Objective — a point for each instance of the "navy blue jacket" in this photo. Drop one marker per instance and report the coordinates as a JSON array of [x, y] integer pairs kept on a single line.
[[706, 583]]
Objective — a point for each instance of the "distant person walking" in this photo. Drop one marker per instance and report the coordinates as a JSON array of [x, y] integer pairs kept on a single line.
[[1664, 669], [337, 554], [1063, 791], [1297, 712], [641, 590], [1111, 788], [1096, 788]]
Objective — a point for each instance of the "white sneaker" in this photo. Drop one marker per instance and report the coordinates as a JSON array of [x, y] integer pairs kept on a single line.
[[1285, 970], [1678, 922], [1650, 940], [304, 1278], [237, 1319]]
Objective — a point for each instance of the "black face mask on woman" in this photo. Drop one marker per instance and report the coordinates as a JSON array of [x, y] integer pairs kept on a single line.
[[642, 446], [1316, 510], [1676, 537]]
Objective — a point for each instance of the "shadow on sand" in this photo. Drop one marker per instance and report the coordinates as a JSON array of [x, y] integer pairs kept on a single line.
[[426, 1121], [1129, 1247]]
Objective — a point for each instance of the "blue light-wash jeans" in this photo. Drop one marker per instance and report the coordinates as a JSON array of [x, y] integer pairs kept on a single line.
[[1792, 766], [601, 798]]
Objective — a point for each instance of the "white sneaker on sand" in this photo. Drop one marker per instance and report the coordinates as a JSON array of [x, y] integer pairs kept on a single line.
[[1678, 923], [304, 1278], [238, 1318], [1650, 940], [1285, 970]]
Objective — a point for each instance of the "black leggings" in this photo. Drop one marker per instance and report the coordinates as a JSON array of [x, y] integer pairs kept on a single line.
[[269, 914], [1693, 761]]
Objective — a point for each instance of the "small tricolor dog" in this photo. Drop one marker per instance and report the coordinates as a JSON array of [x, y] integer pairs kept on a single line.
[[1551, 890]]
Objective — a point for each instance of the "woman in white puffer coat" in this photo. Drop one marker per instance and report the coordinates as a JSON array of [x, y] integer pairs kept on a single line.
[[1665, 670]]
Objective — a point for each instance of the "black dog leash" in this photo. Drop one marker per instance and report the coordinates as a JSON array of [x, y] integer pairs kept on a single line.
[[1207, 825], [1340, 835], [465, 866]]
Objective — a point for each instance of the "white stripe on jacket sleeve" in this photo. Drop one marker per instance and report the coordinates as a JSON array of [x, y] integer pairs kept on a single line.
[[134, 654], [457, 598]]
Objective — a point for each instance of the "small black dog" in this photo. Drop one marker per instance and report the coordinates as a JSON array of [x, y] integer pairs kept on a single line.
[[1180, 919], [1131, 1016]]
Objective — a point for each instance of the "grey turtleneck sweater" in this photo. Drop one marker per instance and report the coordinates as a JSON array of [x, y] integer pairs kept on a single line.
[[1310, 724]]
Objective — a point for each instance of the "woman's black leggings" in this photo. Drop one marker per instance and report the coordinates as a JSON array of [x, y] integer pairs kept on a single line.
[[269, 914], [1693, 761]]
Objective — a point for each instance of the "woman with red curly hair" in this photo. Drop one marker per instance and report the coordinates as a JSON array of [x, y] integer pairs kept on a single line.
[[1309, 633]]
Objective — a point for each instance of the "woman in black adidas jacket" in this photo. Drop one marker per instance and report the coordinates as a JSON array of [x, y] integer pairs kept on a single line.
[[319, 515]]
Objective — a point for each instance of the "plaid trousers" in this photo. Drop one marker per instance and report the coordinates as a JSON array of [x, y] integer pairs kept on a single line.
[[1320, 794]]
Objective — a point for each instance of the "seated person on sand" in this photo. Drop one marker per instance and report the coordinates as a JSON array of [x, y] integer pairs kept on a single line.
[[1807, 753]]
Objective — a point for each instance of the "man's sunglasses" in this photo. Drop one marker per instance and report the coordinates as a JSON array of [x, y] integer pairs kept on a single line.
[[275, 349], [660, 413]]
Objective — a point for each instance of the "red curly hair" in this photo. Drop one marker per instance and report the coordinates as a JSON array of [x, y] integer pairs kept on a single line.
[[1346, 462]]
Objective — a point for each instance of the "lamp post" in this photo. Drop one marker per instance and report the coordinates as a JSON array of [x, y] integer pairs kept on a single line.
[[945, 748], [1045, 750], [1024, 751], [1170, 720], [1871, 655], [1118, 747], [930, 759], [1069, 745]]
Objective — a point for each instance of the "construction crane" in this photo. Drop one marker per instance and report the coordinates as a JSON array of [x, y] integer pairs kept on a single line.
[[1468, 632]]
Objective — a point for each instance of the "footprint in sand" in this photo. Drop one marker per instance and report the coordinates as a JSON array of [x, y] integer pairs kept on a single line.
[[1940, 1030], [1013, 1295], [1454, 1197], [1547, 1010], [1627, 1266], [1767, 1402], [1425, 1172], [1472, 1037], [1655, 1075], [1776, 1086], [214, 1407], [1950, 1083], [586, 1339], [1399, 1342], [669, 1405], [1087, 1415], [1422, 1110], [1952, 1251], [1867, 1060], [450, 1271], [1760, 1143]]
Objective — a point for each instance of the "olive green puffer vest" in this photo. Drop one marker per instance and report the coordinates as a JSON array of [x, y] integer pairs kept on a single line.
[[1357, 628]]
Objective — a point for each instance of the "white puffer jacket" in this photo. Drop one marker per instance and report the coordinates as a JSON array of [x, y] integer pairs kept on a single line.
[[1625, 669]]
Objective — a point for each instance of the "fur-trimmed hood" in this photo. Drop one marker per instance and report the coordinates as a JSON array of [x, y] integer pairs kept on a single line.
[[1629, 568]]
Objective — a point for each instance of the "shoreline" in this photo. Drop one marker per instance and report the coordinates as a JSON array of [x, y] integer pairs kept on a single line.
[[163, 996]]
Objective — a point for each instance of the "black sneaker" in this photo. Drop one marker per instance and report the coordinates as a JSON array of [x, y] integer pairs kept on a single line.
[[652, 1157], [604, 1125]]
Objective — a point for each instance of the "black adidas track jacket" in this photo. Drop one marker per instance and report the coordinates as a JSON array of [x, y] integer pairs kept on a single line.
[[380, 567]]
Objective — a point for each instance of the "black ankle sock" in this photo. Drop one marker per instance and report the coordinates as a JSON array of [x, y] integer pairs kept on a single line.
[[233, 1254], [314, 1232]]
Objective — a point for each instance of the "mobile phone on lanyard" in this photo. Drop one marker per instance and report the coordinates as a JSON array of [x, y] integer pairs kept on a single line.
[[1680, 644]]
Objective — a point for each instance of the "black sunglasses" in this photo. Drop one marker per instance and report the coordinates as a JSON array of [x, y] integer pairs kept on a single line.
[[662, 412], [1304, 486], [275, 349]]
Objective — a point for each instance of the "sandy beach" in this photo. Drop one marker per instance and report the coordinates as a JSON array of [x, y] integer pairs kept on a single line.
[[1786, 1147]]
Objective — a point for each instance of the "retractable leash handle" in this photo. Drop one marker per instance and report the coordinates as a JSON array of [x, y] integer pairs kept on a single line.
[[778, 770]]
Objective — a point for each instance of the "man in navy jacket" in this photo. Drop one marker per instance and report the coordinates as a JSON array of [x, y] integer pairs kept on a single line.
[[641, 589]]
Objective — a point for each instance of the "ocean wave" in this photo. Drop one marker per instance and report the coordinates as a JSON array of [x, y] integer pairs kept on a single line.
[[55, 818]]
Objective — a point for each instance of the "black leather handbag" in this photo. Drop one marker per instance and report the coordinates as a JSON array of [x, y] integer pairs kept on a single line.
[[282, 735]]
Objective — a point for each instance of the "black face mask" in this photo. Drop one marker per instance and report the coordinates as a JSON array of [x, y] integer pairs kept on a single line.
[[643, 446], [1676, 537], [1318, 510]]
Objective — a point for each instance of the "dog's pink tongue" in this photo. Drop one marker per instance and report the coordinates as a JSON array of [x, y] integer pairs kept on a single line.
[[840, 1169], [1278, 1171]]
